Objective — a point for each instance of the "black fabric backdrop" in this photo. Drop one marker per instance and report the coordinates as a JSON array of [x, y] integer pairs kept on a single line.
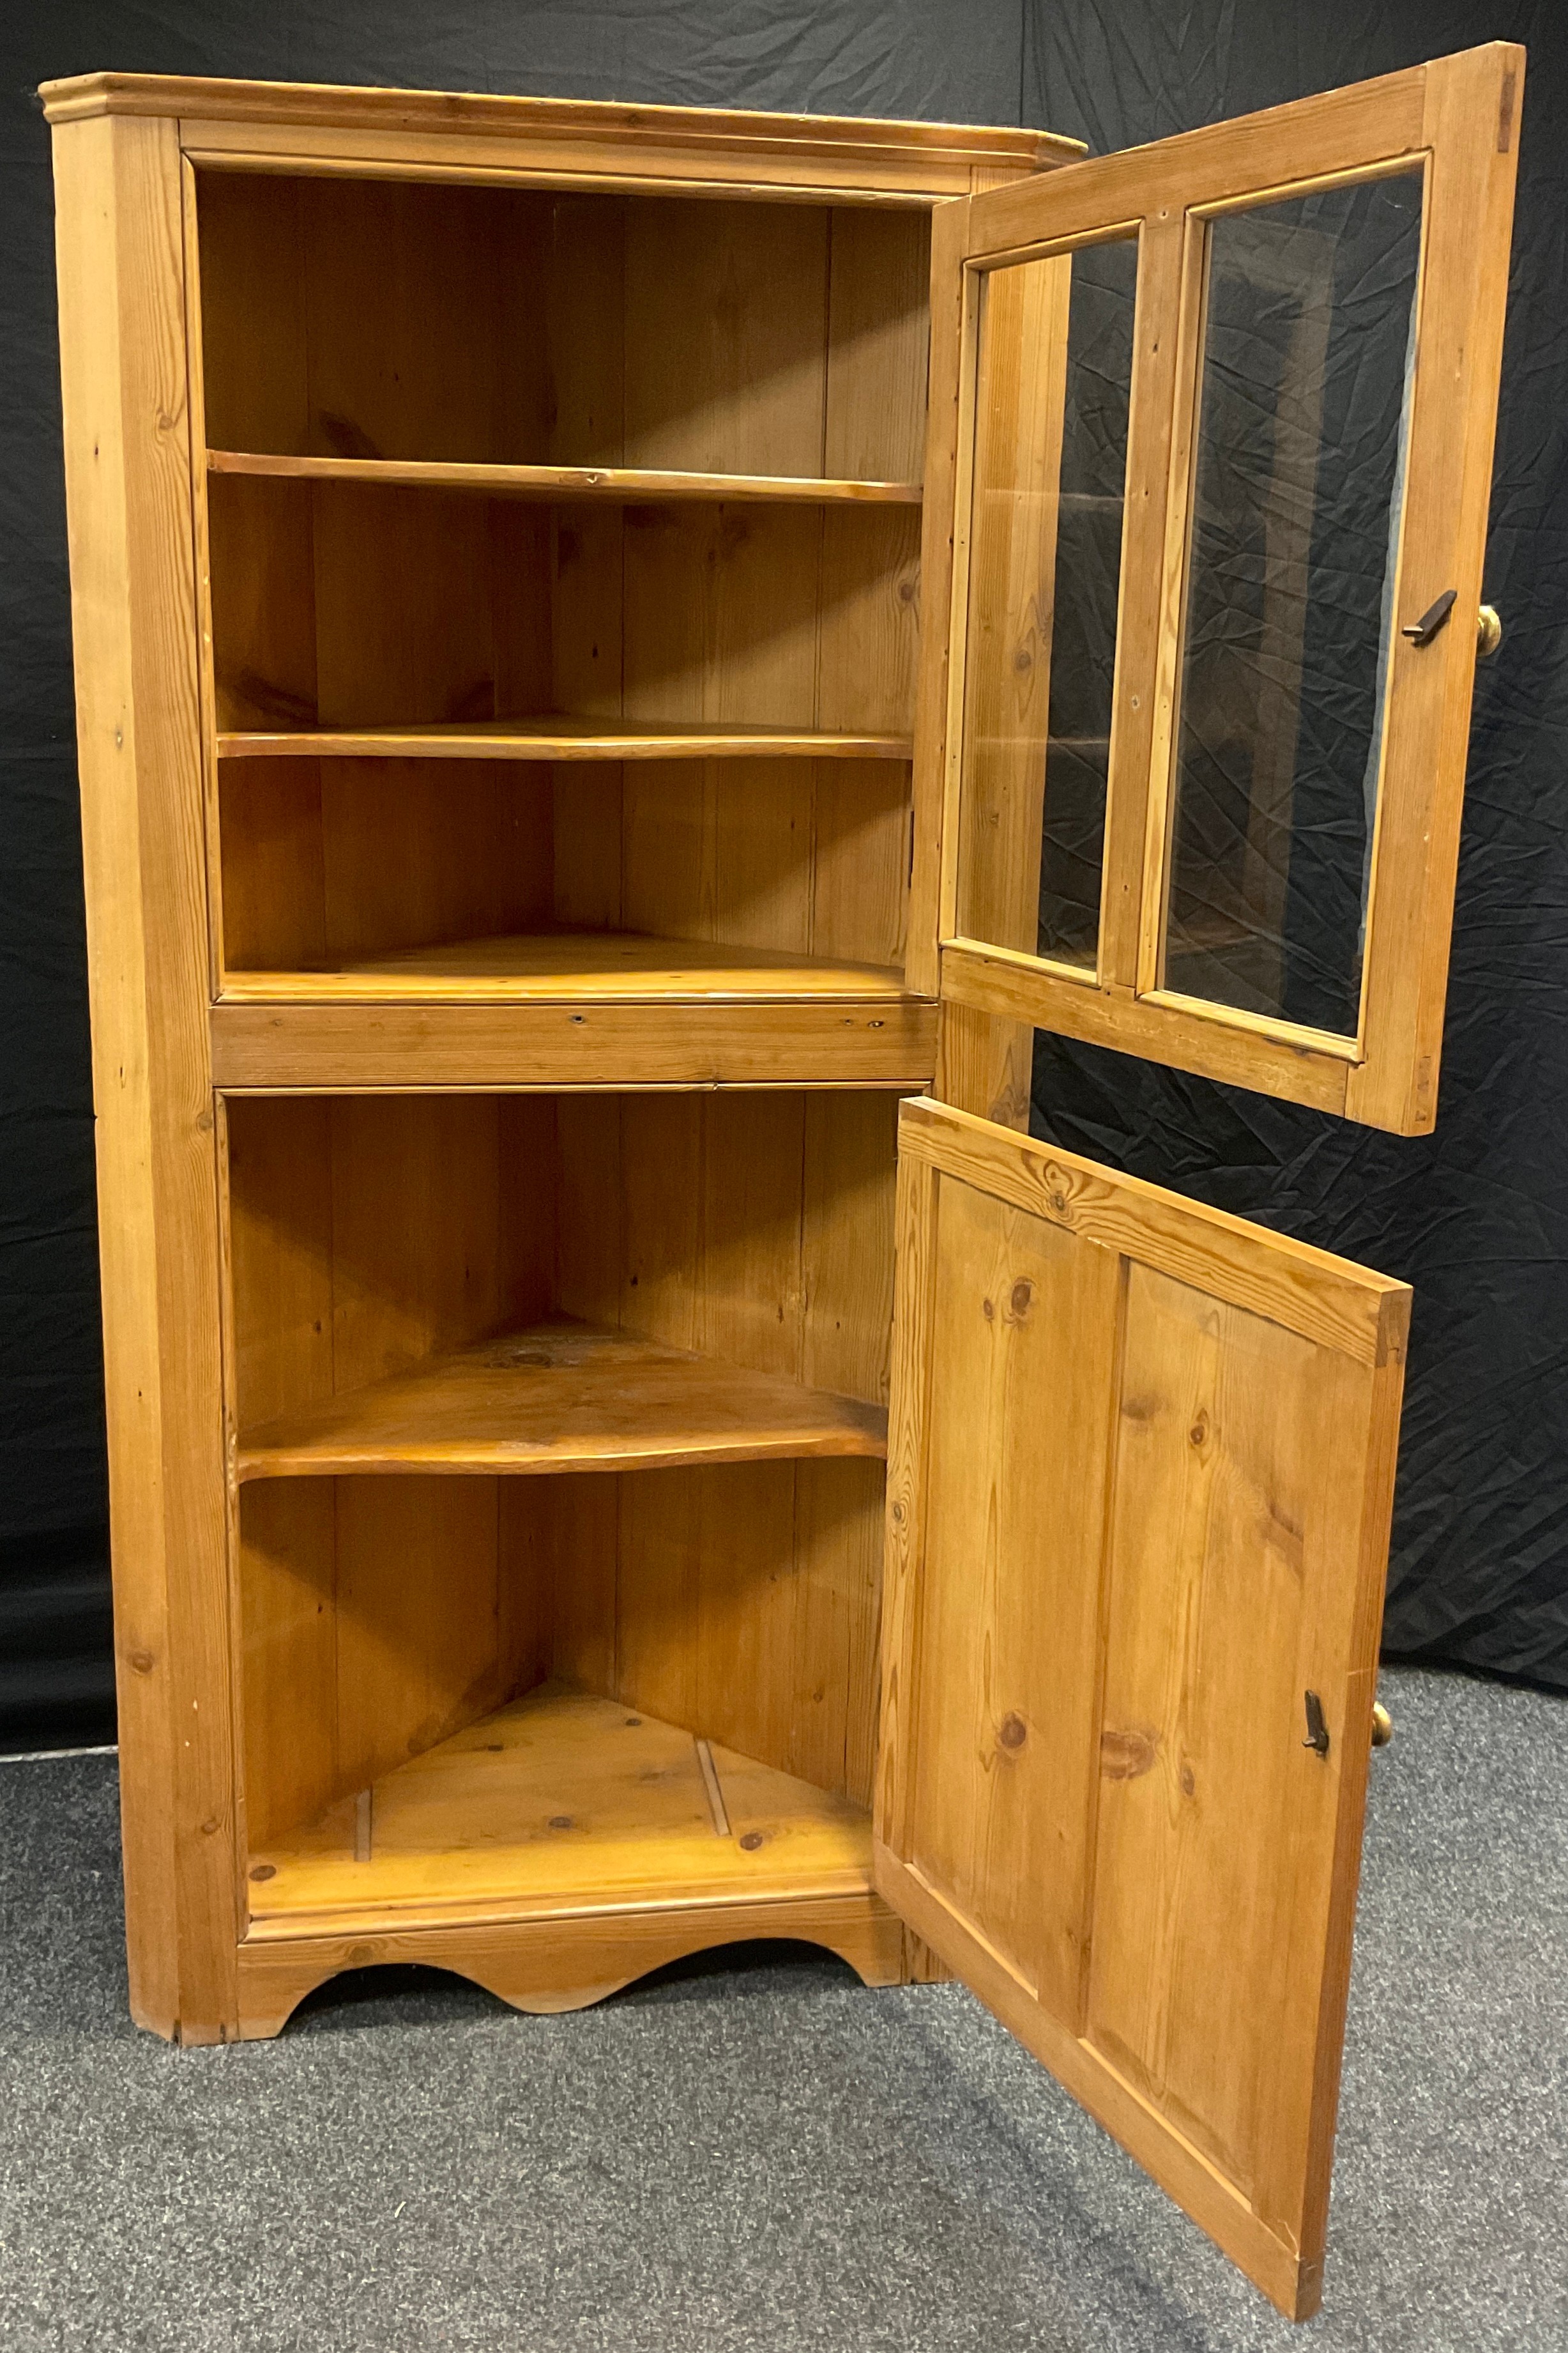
[[1476, 1216]]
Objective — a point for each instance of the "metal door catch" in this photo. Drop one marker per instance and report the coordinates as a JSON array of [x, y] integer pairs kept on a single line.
[[1422, 632], [1317, 1730]]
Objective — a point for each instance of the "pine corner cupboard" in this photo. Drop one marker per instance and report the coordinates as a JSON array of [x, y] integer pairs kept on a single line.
[[562, 932]]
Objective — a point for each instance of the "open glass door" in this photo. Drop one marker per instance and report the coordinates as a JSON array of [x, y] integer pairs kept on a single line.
[[1140, 1465], [1211, 438]]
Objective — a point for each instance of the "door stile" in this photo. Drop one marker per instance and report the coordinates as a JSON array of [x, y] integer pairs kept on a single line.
[[1462, 303], [915, 1267], [1140, 733], [1372, 1508], [1102, 1650], [949, 431], [1184, 323]]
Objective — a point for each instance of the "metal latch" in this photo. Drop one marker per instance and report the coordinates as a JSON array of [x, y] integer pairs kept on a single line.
[[1422, 632], [1317, 1730]]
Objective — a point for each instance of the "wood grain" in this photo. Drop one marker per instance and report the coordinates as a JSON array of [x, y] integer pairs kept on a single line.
[[559, 1397], [1457, 118], [300, 105], [634, 485], [1471, 123], [572, 967], [558, 739], [829, 1042], [565, 1963], [562, 1802], [129, 502], [410, 428], [1094, 1798]]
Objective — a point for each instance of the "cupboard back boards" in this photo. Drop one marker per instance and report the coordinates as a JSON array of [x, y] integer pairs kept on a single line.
[[562, 930]]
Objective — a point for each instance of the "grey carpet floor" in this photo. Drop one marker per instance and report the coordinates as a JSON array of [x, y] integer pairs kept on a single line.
[[762, 2155]]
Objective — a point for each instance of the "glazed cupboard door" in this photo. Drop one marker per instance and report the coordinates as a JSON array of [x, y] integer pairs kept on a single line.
[[1211, 448], [1141, 1464]]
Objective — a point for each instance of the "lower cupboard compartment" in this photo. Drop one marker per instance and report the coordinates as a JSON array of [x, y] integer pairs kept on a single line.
[[559, 1426], [527, 1697]]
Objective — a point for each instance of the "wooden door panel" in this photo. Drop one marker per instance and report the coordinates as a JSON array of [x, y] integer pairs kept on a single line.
[[1140, 1469], [997, 1806]]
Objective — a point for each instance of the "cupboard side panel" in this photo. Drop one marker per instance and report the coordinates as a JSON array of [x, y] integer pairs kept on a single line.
[[749, 1692], [868, 640], [424, 647], [525, 1585], [580, 1536], [850, 1179], [835, 1625], [419, 1617], [860, 861], [658, 1590], [280, 1252], [528, 1208], [418, 852], [879, 336], [261, 553], [274, 885], [253, 362], [588, 1216], [658, 1225], [726, 327], [586, 328], [403, 318], [129, 500], [288, 1652], [720, 851], [416, 1264], [750, 1298], [744, 647]]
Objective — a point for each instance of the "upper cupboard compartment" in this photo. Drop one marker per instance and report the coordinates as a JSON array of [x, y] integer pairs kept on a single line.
[[565, 547], [386, 320]]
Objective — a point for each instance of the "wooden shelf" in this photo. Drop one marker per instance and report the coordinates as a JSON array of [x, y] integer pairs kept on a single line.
[[623, 485], [561, 1803], [553, 737], [557, 1397], [566, 967]]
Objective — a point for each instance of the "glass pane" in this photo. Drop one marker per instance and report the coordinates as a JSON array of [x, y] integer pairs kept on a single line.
[[1050, 470], [1297, 485]]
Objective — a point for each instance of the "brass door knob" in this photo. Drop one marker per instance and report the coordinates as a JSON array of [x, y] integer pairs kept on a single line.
[[1489, 631], [1382, 1724]]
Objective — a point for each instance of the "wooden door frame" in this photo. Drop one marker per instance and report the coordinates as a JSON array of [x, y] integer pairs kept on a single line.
[[1456, 119]]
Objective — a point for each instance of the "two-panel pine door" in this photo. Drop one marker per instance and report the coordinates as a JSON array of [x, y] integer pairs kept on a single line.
[[1211, 444], [1140, 1465]]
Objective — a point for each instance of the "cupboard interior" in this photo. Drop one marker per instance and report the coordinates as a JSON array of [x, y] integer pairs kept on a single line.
[[389, 877], [677, 1308], [390, 318], [354, 326]]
